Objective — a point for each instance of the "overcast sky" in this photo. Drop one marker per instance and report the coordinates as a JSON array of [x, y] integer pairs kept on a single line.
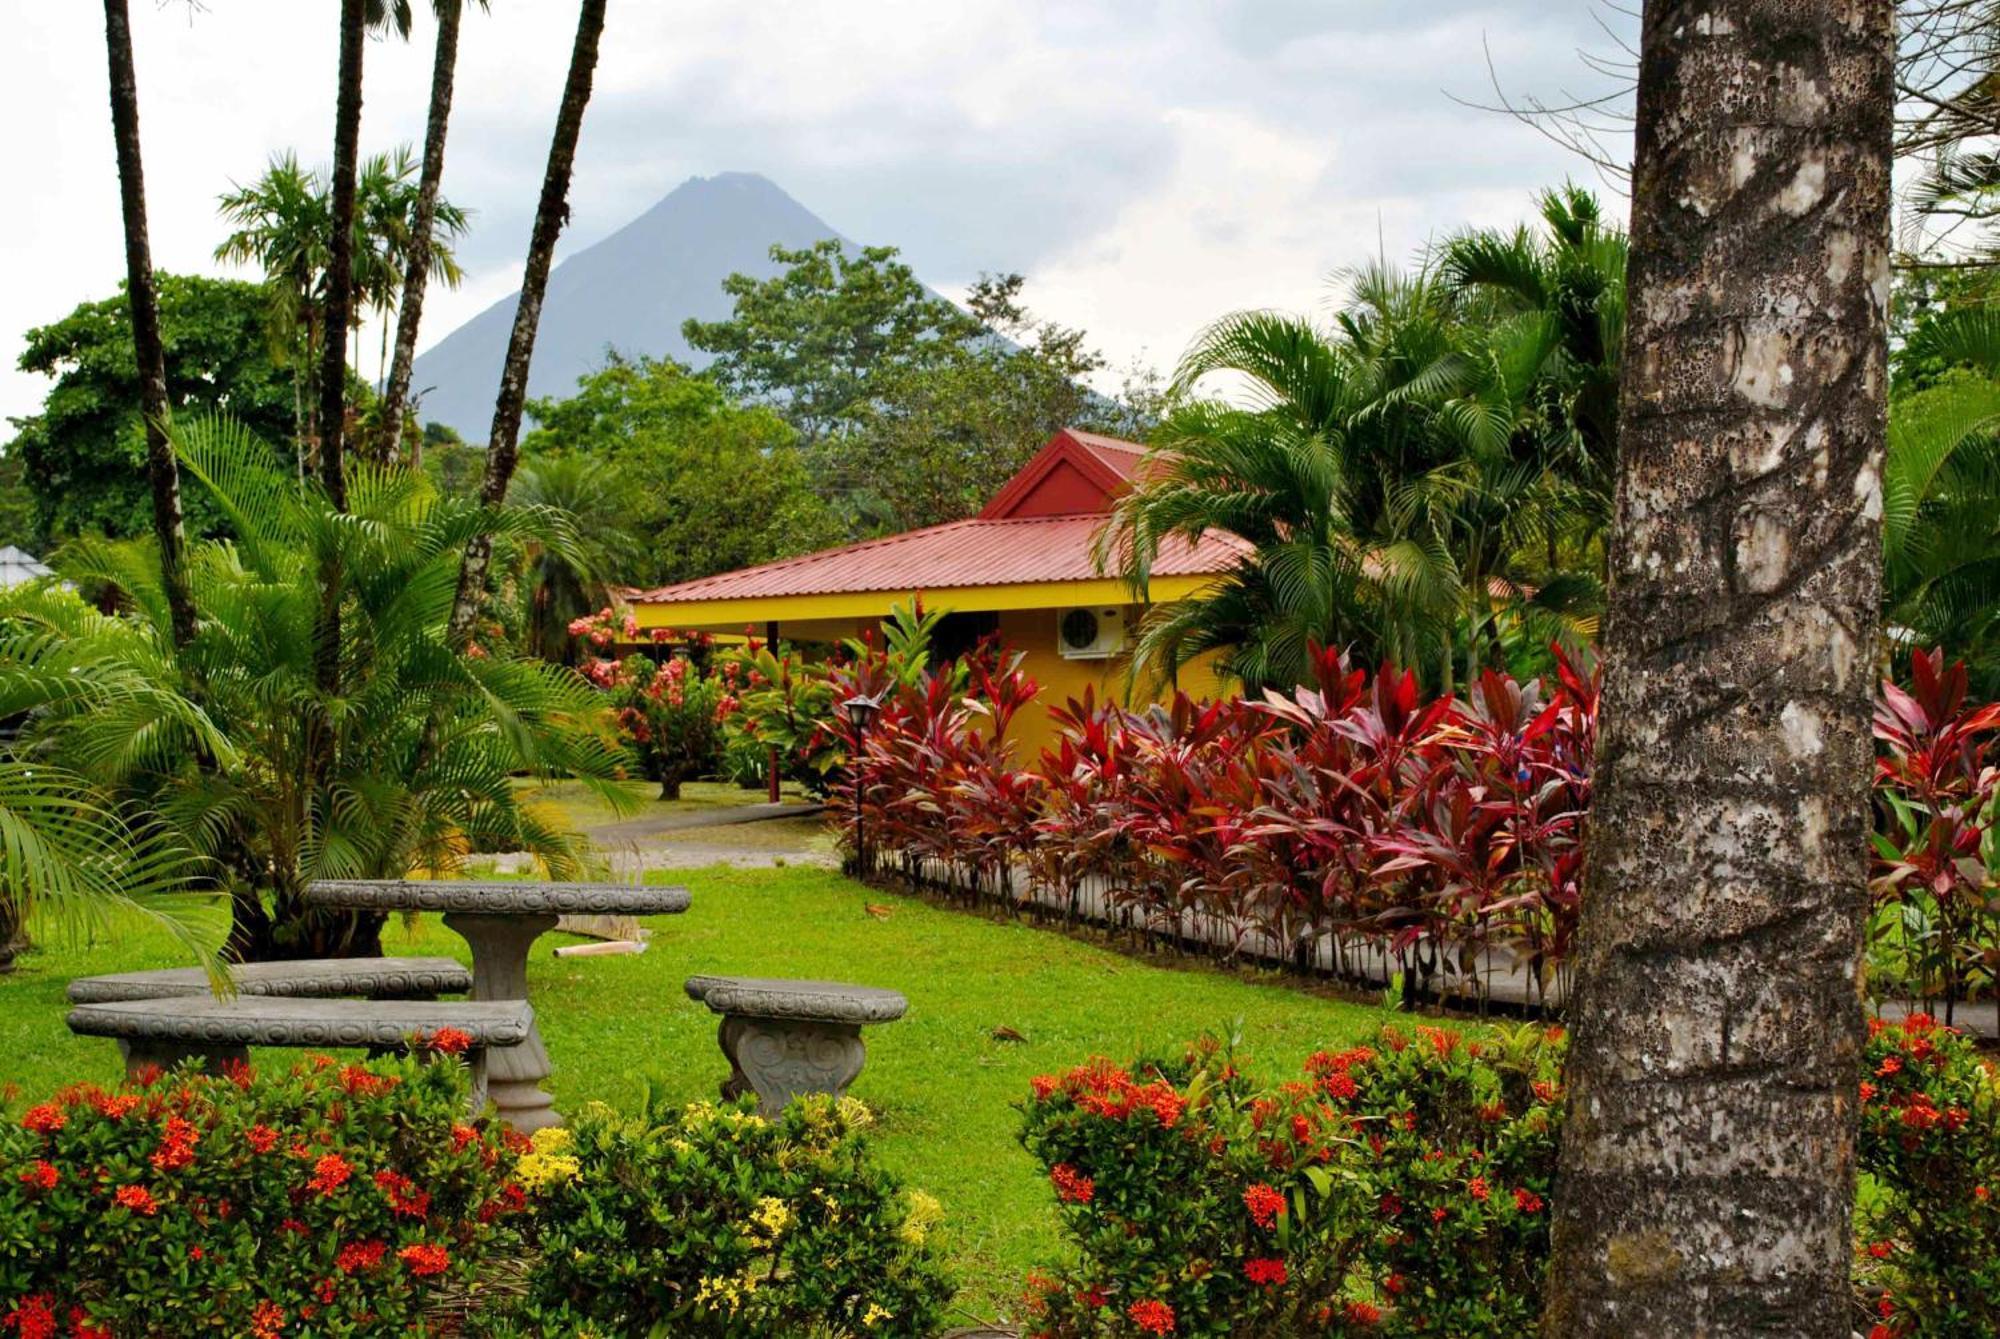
[[1148, 165]]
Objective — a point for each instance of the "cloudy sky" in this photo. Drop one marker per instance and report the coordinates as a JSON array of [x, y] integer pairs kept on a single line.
[[1147, 164]]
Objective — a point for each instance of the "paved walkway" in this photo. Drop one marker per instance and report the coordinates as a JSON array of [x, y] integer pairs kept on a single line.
[[634, 829]]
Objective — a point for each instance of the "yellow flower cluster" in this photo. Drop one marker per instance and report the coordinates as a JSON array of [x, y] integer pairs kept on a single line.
[[875, 1315], [770, 1218], [547, 1163], [925, 1214], [730, 1291]]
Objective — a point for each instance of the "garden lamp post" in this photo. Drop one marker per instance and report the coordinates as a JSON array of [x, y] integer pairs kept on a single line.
[[861, 710]]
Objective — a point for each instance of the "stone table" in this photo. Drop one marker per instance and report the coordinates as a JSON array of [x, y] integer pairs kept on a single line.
[[501, 921]]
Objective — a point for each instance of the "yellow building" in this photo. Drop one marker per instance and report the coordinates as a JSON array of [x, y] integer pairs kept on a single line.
[[1022, 568]]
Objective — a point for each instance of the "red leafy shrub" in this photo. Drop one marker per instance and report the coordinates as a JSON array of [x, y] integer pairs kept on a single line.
[[1399, 1188], [1935, 785], [1928, 1229], [326, 1199]]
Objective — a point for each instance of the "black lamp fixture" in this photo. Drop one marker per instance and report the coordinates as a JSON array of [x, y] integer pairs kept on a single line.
[[861, 711]]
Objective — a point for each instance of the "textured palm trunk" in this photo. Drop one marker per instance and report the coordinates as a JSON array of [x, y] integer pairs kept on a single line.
[[444, 65], [1707, 1171], [162, 475], [503, 442], [339, 303]]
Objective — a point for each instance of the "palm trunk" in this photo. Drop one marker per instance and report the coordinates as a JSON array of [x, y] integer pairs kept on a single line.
[[340, 255], [1707, 1174], [443, 69], [502, 446], [162, 475]]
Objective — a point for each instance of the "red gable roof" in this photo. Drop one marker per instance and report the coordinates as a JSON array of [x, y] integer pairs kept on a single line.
[[1076, 473], [1039, 527]]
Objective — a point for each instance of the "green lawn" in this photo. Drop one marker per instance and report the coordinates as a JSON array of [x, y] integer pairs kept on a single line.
[[941, 1086], [580, 807]]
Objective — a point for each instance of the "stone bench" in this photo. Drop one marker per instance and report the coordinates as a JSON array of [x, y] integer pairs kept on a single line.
[[166, 1031], [784, 1038], [308, 978]]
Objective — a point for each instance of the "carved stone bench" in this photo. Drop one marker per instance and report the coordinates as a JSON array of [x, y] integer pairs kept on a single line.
[[165, 1031], [309, 978], [784, 1038]]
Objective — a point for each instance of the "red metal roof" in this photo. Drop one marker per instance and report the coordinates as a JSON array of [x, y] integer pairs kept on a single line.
[[982, 551]]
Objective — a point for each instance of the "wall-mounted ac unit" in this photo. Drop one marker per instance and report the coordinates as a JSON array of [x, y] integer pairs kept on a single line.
[[1090, 633]]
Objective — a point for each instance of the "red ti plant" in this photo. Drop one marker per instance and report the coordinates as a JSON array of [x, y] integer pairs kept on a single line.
[[1935, 784]]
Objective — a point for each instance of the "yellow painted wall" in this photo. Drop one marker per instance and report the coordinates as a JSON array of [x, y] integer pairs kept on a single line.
[[1033, 633]]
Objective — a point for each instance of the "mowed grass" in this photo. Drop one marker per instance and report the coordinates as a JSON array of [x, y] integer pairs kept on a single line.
[[942, 1086], [579, 806]]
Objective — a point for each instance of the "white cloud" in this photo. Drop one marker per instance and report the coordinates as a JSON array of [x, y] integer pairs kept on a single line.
[[1149, 164]]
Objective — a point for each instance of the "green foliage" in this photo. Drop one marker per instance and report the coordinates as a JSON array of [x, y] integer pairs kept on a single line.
[[1400, 1190], [1928, 1238], [718, 1221], [787, 704], [813, 338], [560, 583], [223, 750], [703, 485], [913, 411], [337, 1200], [82, 459]]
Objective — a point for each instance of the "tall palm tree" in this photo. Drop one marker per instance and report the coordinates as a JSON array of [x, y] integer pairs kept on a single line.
[[281, 223], [409, 318], [161, 475], [337, 305], [1707, 1172], [551, 213]]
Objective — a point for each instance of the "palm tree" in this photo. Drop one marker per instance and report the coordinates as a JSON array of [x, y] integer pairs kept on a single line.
[[444, 63], [161, 474], [551, 213], [1707, 1173], [1393, 477], [221, 750], [281, 224], [561, 583]]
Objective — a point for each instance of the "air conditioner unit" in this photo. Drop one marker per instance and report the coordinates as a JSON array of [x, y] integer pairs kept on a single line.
[[1090, 634]]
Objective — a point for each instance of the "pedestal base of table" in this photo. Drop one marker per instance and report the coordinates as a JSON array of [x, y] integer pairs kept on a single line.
[[778, 1059], [514, 1074]]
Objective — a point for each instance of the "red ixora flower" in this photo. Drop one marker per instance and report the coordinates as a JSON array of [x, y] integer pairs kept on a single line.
[[261, 1138], [44, 1119], [41, 1176], [330, 1173], [1152, 1316], [1264, 1204], [136, 1198], [1072, 1186], [267, 1320], [449, 1040], [33, 1317], [1477, 1188], [358, 1255], [425, 1260], [403, 1195], [1527, 1201], [1270, 1273], [1362, 1313], [176, 1148]]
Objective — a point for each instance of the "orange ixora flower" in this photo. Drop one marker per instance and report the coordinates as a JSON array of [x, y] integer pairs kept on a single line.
[[425, 1260], [1152, 1316], [1072, 1186], [44, 1119], [449, 1040], [267, 1320], [42, 1175], [136, 1198], [330, 1173]]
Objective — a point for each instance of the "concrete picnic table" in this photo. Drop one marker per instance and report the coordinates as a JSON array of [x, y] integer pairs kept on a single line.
[[501, 921]]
